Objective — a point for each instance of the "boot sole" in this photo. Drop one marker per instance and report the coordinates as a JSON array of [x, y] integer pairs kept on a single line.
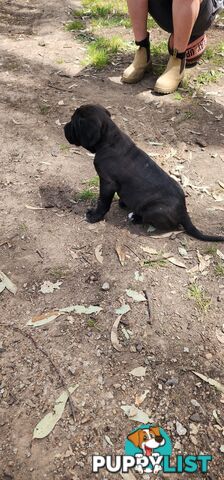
[[166, 92]]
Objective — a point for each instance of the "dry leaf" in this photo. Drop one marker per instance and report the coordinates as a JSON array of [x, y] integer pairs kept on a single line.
[[47, 317], [135, 414], [183, 252], [46, 425], [220, 254], [98, 254], [150, 251], [176, 262], [8, 284], [167, 235], [204, 261], [114, 337], [139, 399], [49, 287], [211, 382], [34, 208], [220, 336], [137, 297], [123, 309], [120, 253], [108, 440], [139, 277], [138, 372], [43, 319]]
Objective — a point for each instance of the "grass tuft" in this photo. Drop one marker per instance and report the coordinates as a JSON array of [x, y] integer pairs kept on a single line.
[[219, 270], [75, 25], [100, 50], [197, 293]]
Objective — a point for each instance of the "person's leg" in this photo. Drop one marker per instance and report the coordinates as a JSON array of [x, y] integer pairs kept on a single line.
[[184, 13], [138, 11]]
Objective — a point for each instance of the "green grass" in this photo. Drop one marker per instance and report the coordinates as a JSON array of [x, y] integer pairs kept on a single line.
[[158, 262], [201, 299], [211, 76], [75, 25], [158, 49], [87, 194], [219, 269], [99, 51], [211, 250], [44, 109], [64, 148], [92, 182]]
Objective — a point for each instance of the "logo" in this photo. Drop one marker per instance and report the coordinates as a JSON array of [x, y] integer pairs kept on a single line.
[[148, 444], [148, 450]]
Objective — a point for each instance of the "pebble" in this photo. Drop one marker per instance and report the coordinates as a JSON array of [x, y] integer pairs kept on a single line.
[[105, 287], [171, 382], [139, 347], [208, 356], [193, 440], [133, 349], [186, 350], [72, 370], [41, 43], [195, 403], [181, 430], [195, 418]]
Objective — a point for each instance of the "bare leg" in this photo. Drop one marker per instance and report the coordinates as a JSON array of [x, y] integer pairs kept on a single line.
[[138, 11], [185, 13]]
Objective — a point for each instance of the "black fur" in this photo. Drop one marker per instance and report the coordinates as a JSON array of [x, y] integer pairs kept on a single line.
[[143, 187]]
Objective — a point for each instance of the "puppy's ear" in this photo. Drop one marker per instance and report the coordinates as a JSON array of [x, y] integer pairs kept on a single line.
[[88, 131], [135, 438]]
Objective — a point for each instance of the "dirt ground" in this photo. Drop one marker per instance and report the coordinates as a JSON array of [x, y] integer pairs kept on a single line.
[[42, 82]]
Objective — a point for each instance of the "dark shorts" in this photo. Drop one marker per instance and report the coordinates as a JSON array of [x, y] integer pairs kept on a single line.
[[161, 11]]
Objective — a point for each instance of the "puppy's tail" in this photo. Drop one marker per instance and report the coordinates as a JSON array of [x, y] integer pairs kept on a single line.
[[194, 232]]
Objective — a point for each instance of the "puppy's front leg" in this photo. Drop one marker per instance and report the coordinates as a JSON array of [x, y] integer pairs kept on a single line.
[[107, 191]]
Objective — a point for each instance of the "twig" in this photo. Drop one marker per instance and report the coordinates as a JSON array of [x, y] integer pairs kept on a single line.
[[58, 88], [27, 335], [148, 307], [8, 241], [129, 248]]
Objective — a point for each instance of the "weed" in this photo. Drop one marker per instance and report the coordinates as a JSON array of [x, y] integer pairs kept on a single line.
[[44, 109], [86, 195], [93, 182], [219, 270], [211, 76], [64, 148], [74, 25], [100, 50], [178, 96], [197, 293], [58, 273], [60, 61], [159, 48], [158, 262], [211, 250]]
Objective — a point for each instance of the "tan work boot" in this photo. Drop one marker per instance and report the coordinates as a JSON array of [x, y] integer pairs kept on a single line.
[[141, 64], [169, 81]]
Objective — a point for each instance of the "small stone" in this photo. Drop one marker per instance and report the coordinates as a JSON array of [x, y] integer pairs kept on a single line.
[[202, 143], [194, 429], [139, 347], [208, 356], [105, 287], [186, 350], [117, 385], [61, 102], [41, 43], [177, 445], [181, 430], [72, 370], [195, 403], [222, 449], [193, 440], [133, 349], [171, 382], [195, 418], [160, 387]]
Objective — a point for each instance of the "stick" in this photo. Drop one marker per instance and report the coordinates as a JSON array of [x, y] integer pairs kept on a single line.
[[148, 307], [27, 335]]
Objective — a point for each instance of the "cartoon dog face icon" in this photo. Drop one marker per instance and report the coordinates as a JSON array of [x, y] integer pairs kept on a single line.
[[147, 439]]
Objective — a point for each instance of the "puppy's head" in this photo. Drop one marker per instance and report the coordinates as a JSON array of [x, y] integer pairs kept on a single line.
[[87, 126]]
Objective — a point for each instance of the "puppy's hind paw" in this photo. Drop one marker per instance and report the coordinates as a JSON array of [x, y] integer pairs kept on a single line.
[[92, 216]]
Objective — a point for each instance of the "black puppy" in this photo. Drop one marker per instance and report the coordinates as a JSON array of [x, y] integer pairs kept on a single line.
[[143, 187]]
